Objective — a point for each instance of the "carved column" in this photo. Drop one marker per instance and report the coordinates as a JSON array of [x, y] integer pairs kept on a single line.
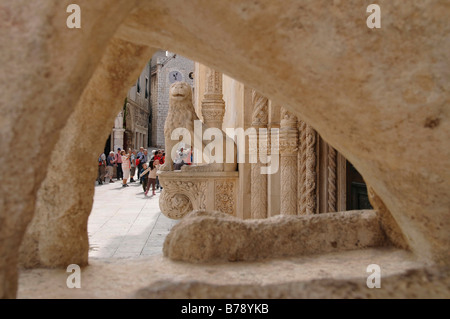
[[307, 170], [213, 105], [258, 180], [332, 180], [288, 153]]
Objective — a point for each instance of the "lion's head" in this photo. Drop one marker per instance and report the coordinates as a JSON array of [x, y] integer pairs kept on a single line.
[[180, 91]]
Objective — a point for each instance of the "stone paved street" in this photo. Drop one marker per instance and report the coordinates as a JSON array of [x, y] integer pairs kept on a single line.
[[124, 223]]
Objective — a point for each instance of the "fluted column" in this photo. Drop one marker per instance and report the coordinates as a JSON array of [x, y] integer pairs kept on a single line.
[[288, 153], [258, 180], [213, 105], [306, 170]]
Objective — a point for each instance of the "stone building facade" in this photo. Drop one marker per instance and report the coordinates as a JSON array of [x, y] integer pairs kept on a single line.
[[311, 177], [131, 126], [166, 67]]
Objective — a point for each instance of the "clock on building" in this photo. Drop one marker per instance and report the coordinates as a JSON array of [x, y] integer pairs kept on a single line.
[[175, 76]]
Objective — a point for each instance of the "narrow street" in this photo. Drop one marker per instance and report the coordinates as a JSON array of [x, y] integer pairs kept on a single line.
[[124, 223]]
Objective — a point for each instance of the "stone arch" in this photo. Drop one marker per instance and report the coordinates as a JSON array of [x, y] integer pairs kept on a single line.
[[328, 78]]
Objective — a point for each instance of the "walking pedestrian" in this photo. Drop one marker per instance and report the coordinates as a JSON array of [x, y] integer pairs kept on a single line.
[[125, 168], [110, 161], [118, 158], [101, 168], [139, 165], [153, 166], [144, 176], [133, 166]]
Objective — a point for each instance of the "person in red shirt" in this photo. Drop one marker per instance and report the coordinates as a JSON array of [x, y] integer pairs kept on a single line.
[[160, 158]]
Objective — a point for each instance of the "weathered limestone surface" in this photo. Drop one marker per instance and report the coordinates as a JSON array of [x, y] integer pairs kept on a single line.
[[379, 97], [187, 191], [45, 69], [425, 283], [57, 236], [388, 223], [203, 236], [288, 163], [110, 278]]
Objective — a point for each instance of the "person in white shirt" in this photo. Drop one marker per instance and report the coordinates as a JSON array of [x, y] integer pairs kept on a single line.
[[126, 165]]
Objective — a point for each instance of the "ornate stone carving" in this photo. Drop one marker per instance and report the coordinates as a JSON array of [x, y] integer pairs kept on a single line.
[[258, 180], [182, 114], [180, 197], [288, 153], [213, 82], [307, 167], [332, 181], [213, 105], [176, 205], [199, 190], [213, 115], [260, 116], [225, 197]]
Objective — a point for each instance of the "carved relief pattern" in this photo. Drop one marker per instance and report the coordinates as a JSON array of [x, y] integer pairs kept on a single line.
[[170, 197], [224, 197], [310, 170], [213, 105], [213, 114], [214, 82], [175, 206], [260, 115], [288, 152], [307, 167], [259, 181], [332, 199]]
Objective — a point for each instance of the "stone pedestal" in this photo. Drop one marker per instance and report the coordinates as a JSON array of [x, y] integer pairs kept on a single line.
[[187, 191]]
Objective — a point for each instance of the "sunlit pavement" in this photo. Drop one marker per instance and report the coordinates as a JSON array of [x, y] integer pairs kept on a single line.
[[124, 223]]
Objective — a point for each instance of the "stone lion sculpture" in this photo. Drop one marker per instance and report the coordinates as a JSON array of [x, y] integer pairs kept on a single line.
[[182, 115]]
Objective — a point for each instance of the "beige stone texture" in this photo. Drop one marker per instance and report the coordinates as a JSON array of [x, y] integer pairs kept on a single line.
[[388, 223], [424, 283], [203, 236], [187, 191], [378, 96], [320, 276]]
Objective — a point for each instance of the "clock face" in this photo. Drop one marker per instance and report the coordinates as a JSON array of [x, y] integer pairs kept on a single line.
[[175, 76]]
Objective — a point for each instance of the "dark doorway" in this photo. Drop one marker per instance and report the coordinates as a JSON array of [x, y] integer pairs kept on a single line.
[[357, 197]]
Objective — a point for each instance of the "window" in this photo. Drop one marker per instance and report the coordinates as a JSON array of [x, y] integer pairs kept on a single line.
[[146, 88], [138, 86]]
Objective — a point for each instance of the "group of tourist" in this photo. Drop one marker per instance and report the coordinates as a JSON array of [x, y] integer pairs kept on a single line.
[[127, 163]]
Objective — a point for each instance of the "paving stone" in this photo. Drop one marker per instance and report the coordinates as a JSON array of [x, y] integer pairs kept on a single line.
[[124, 223]]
